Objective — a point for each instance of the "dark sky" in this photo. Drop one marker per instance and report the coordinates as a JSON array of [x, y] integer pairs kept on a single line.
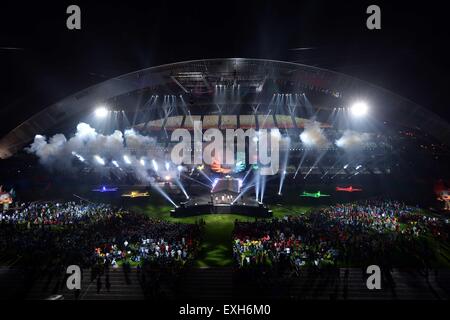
[[407, 56]]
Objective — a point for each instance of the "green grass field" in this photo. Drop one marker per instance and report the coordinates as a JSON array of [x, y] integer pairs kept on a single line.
[[216, 247]]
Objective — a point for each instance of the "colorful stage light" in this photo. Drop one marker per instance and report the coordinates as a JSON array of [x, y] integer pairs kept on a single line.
[[239, 167], [216, 167], [317, 194], [136, 194], [105, 189], [348, 189]]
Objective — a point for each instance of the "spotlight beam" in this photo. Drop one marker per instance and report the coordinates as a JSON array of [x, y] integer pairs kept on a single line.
[[300, 164], [180, 185], [205, 175], [263, 188], [322, 154], [283, 169], [246, 175], [345, 167], [155, 165], [78, 156], [99, 160], [165, 195], [126, 159], [242, 193], [199, 182], [257, 185]]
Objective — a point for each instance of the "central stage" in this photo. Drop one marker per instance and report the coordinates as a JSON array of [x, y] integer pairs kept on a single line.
[[225, 198]]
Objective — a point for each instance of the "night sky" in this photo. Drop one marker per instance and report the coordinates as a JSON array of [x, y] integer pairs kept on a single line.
[[41, 61]]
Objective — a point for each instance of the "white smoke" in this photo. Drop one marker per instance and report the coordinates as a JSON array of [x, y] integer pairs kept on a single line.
[[352, 139], [137, 141], [48, 150], [313, 136], [58, 153]]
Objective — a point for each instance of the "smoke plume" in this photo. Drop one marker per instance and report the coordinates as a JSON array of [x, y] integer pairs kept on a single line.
[[313, 136], [352, 140], [101, 152]]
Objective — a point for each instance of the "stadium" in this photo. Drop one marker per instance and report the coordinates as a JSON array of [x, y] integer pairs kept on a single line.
[[359, 179]]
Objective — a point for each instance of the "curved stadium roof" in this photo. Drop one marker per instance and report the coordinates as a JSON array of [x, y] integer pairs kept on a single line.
[[196, 80]]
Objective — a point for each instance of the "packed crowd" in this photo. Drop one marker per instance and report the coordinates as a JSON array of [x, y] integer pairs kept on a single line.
[[55, 213], [142, 239], [359, 233], [88, 234]]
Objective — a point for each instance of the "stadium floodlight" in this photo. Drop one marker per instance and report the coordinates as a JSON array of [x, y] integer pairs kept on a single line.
[[126, 159], [359, 109], [115, 163], [99, 160], [101, 112]]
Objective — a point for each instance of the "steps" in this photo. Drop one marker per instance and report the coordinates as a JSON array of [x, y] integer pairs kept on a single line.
[[409, 285], [122, 287], [12, 283], [216, 283], [207, 283]]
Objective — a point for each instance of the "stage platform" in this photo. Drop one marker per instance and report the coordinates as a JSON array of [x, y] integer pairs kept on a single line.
[[260, 211]]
